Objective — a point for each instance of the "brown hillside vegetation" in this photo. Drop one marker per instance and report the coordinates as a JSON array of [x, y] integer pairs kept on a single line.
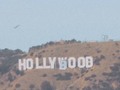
[[104, 75]]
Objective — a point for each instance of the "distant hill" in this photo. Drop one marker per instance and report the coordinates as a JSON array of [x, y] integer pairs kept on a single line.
[[8, 58], [104, 75]]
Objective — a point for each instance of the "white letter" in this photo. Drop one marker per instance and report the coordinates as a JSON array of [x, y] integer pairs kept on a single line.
[[81, 62], [37, 64], [62, 63], [45, 64], [22, 63], [52, 62], [71, 62], [89, 62], [29, 63]]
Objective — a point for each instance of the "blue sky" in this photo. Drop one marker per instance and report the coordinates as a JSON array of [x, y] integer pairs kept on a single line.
[[41, 21]]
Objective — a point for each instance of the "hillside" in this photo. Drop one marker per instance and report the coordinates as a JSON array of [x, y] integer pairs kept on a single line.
[[104, 75]]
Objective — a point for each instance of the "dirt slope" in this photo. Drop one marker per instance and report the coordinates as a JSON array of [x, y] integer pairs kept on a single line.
[[104, 75]]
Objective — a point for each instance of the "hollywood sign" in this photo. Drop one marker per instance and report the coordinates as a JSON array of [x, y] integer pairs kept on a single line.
[[61, 63]]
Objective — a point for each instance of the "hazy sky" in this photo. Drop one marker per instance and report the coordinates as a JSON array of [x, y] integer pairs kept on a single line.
[[25, 23]]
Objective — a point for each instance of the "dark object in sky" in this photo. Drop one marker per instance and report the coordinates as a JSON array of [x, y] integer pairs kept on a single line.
[[16, 26]]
